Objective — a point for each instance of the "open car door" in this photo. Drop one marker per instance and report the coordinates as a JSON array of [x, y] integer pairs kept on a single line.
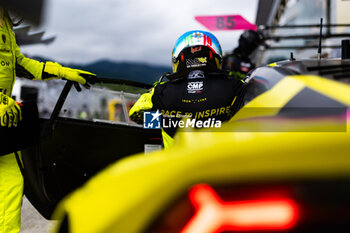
[[70, 151]]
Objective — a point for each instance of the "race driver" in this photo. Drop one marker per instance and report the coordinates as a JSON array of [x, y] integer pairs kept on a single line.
[[197, 89]]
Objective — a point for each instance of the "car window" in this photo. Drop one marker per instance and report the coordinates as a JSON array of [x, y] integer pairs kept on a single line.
[[96, 104]]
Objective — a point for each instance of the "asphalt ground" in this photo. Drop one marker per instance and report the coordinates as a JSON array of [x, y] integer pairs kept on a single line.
[[32, 221]]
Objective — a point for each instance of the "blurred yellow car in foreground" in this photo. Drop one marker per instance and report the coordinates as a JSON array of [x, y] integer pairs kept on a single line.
[[282, 164]]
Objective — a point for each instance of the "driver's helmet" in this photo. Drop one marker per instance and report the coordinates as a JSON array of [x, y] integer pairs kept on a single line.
[[250, 40], [197, 50]]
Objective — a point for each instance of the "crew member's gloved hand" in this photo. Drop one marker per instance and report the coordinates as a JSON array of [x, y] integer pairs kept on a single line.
[[10, 112], [53, 70]]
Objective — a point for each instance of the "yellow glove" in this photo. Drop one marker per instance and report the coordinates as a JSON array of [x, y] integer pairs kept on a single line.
[[53, 70], [144, 103], [10, 112]]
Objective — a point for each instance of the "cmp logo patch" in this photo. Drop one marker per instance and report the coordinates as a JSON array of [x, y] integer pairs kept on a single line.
[[151, 120], [194, 87], [196, 62]]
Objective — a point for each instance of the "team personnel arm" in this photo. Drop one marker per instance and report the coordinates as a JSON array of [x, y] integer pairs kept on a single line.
[[10, 112], [35, 70], [144, 103], [26, 67]]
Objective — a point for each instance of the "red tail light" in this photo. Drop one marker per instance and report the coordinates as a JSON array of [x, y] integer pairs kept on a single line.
[[214, 215], [309, 206]]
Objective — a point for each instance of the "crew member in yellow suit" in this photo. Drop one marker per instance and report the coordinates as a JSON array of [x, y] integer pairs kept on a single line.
[[12, 64]]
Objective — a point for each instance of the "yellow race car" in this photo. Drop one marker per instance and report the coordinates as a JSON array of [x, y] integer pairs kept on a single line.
[[282, 164]]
